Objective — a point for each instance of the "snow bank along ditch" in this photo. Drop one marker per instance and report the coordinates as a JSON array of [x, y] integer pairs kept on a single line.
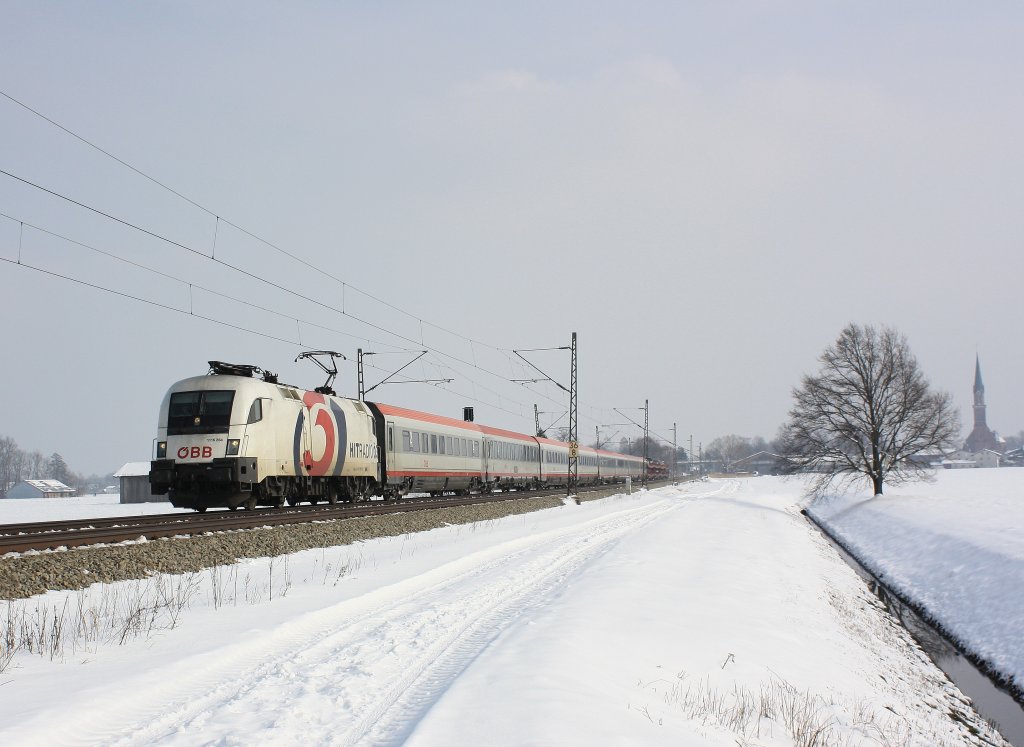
[[989, 693]]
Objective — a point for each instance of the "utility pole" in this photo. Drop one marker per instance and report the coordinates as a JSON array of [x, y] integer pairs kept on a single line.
[[359, 367], [573, 435], [672, 474], [646, 439], [573, 473], [689, 455], [536, 420]]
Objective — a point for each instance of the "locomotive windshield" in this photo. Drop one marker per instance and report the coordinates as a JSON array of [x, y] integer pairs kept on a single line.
[[199, 412]]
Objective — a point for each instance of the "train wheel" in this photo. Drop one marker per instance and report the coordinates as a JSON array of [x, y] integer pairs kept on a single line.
[[232, 508], [200, 509], [250, 504]]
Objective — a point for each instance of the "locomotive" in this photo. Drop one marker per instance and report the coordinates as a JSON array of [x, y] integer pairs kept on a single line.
[[237, 437]]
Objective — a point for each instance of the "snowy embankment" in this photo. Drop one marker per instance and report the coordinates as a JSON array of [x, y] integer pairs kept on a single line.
[[17, 511], [708, 613], [953, 548]]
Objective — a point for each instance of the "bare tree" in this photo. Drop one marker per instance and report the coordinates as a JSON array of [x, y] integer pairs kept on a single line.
[[9, 456], [867, 412], [732, 448], [35, 463]]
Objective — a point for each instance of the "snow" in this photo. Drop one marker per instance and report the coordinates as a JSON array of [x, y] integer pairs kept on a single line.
[[650, 618], [78, 507], [955, 547]]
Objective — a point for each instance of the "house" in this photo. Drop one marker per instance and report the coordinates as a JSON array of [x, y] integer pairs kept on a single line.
[[762, 463], [40, 489], [134, 478], [986, 458]]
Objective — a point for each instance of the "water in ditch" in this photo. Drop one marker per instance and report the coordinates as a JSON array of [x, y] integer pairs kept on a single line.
[[989, 699]]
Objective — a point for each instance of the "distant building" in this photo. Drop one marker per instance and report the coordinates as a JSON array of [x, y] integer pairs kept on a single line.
[[134, 477], [40, 489], [763, 463], [986, 458], [981, 437]]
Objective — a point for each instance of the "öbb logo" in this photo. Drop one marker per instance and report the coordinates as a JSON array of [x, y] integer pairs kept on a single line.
[[195, 452], [326, 421]]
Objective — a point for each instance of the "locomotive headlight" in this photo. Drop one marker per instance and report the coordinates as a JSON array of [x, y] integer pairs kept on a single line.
[[233, 444], [161, 449]]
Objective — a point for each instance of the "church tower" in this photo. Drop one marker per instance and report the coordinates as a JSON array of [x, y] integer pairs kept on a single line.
[[982, 436]]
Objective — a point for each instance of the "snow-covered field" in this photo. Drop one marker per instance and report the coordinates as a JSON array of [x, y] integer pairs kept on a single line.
[[81, 507], [955, 546], [707, 613]]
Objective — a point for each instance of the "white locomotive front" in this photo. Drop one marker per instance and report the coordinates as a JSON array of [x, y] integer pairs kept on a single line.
[[231, 439]]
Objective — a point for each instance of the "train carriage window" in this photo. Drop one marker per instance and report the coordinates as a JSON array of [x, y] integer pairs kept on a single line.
[[440, 445], [433, 443], [448, 443], [255, 412], [476, 448], [391, 439], [424, 443]]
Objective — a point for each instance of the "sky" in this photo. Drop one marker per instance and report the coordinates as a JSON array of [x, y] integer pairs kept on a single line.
[[706, 193]]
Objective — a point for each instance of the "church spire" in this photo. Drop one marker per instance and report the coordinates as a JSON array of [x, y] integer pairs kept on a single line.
[[979, 396], [982, 436]]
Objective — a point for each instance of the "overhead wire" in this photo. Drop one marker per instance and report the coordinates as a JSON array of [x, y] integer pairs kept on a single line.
[[239, 228], [191, 312], [254, 276], [187, 283], [345, 285]]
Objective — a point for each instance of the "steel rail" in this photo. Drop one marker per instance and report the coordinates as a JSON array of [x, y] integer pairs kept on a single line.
[[52, 535]]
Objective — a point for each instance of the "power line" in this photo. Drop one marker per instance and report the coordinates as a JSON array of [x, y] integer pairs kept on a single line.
[[345, 285], [237, 227], [191, 312], [259, 278], [187, 283], [157, 304]]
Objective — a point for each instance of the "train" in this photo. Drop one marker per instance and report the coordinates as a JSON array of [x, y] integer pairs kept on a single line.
[[237, 437]]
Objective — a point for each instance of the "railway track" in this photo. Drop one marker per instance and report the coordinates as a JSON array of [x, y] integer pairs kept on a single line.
[[52, 535]]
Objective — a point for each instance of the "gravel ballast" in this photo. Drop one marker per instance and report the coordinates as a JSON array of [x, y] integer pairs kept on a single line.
[[29, 574]]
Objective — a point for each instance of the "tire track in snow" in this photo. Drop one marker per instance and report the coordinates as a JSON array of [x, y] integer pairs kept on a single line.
[[368, 667], [486, 614], [375, 674], [351, 687]]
